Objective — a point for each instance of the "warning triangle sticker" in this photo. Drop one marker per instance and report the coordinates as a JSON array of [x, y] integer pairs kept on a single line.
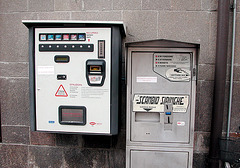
[[61, 92]]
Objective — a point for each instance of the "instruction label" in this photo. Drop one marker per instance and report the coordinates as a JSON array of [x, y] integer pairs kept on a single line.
[[45, 70], [90, 92], [173, 66], [74, 90], [141, 79], [155, 103]]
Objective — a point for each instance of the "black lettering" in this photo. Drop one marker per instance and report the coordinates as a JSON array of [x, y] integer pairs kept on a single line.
[[173, 100], [139, 102], [148, 100], [157, 100], [141, 99]]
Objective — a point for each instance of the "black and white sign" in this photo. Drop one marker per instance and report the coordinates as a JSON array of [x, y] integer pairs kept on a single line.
[[155, 103]]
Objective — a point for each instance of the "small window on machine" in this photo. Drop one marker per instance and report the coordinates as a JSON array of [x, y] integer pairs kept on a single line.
[[72, 115]]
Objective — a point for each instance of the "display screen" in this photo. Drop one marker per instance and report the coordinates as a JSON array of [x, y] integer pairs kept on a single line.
[[72, 115], [61, 58]]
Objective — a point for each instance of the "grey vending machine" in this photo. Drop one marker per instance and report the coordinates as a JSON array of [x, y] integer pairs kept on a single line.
[[161, 91], [74, 76]]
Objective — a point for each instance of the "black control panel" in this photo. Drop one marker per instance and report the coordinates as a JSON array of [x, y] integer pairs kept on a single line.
[[67, 47]]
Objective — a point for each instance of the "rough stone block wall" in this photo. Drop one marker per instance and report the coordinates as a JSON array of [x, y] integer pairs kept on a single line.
[[192, 21]]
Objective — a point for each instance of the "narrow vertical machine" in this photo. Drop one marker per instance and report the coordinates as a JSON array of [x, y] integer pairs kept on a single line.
[[161, 90]]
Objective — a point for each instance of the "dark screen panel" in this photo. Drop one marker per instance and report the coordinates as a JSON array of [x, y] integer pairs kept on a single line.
[[72, 115]]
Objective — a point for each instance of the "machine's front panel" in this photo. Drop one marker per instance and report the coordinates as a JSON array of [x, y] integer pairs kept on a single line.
[[159, 159], [72, 79], [161, 90]]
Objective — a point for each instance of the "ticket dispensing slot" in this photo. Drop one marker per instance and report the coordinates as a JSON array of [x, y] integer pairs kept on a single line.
[[95, 72], [168, 116], [147, 117]]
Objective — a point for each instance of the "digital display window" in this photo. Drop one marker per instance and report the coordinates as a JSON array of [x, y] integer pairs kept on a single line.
[[61, 58], [43, 37], [50, 37], [73, 37], [82, 36], [65, 37], [58, 37], [75, 115]]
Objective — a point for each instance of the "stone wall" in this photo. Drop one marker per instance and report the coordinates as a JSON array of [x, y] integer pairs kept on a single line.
[[182, 20]]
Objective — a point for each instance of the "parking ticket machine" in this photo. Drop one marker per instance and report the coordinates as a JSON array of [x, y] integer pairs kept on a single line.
[[74, 76], [161, 88]]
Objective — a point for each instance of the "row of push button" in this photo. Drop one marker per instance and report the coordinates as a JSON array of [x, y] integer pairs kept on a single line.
[[67, 47]]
